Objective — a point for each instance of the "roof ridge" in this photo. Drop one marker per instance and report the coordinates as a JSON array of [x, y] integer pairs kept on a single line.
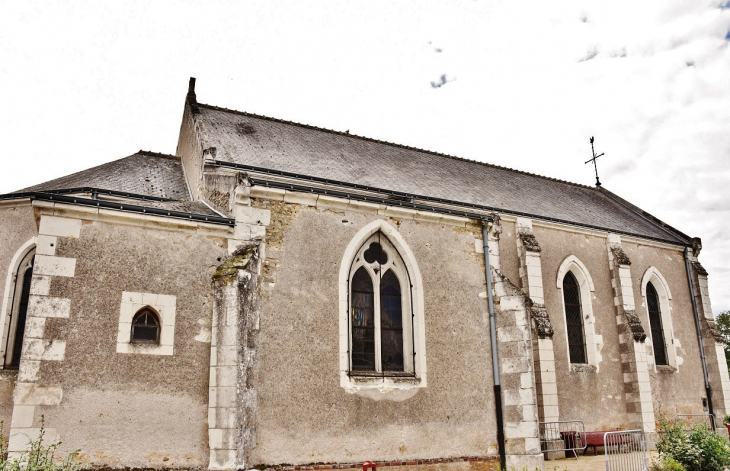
[[393, 144]]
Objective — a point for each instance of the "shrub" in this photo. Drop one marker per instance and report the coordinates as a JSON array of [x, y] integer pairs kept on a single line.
[[38, 457], [666, 463], [698, 449]]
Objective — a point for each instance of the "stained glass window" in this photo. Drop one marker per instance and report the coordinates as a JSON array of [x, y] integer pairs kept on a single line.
[[574, 319], [391, 323], [363, 321], [380, 310], [145, 327], [655, 321]]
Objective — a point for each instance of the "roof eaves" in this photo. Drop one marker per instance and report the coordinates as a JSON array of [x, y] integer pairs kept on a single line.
[[94, 191], [54, 197]]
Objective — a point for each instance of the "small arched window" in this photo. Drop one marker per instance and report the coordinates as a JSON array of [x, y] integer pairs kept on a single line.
[[146, 327], [381, 338], [574, 319], [655, 321]]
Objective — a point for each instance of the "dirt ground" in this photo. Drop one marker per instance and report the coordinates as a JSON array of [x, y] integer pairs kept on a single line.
[[585, 463]]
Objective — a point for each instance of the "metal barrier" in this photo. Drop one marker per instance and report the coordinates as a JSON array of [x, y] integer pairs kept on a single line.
[[562, 436], [689, 420], [625, 450]]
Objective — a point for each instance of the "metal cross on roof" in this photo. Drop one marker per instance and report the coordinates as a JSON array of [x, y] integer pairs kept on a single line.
[[598, 182]]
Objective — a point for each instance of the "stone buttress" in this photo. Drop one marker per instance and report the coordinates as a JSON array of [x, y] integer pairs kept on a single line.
[[634, 365], [232, 389], [514, 345], [528, 251]]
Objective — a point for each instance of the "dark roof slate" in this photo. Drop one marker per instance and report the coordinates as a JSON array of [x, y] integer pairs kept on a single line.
[[248, 139], [147, 174], [143, 173]]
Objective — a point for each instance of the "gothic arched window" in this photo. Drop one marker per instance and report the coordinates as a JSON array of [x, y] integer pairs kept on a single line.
[[145, 327], [19, 311], [655, 321], [574, 319], [381, 339]]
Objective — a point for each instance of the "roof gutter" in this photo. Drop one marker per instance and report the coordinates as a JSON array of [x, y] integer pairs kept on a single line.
[[402, 199], [132, 208], [708, 390], [493, 343], [92, 190]]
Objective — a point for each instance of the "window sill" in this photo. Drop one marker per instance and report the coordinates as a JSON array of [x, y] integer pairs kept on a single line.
[[582, 368], [382, 374], [666, 369], [381, 382], [144, 349]]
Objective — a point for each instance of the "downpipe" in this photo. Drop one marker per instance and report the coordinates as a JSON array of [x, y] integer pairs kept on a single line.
[[495, 356], [708, 391]]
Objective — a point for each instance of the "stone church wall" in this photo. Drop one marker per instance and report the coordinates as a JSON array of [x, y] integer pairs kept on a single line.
[[596, 393], [304, 415], [131, 409], [18, 228], [680, 390]]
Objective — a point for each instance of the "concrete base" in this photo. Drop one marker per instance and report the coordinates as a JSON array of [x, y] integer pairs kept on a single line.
[[525, 462]]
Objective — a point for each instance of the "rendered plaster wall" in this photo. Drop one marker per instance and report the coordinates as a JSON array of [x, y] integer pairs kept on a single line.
[[17, 226], [299, 392], [680, 391], [8, 378], [595, 396], [127, 409]]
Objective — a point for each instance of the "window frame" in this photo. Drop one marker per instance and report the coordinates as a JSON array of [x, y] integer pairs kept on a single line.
[[378, 384], [376, 271], [10, 302], [653, 275], [164, 305], [579, 324], [573, 265], [158, 324]]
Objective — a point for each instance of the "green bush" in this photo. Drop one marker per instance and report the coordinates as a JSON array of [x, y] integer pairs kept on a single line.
[[698, 449], [38, 457], [666, 463]]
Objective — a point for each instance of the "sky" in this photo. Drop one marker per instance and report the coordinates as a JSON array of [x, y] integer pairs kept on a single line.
[[518, 84]]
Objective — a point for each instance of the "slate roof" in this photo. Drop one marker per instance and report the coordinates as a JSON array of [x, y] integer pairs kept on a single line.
[[244, 138], [143, 174]]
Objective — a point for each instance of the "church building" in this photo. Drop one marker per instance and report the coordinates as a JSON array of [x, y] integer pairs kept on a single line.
[[277, 295]]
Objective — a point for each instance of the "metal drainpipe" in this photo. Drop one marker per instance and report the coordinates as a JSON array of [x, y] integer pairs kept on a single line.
[[708, 391], [495, 356]]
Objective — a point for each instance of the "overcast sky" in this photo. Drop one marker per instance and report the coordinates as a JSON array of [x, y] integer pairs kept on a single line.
[[518, 84]]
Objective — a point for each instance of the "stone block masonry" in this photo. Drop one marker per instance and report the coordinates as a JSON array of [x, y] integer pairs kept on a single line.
[[37, 346], [528, 251], [514, 333], [634, 365]]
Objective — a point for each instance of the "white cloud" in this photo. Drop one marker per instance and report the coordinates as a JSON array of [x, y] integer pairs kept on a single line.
[[85, 83]]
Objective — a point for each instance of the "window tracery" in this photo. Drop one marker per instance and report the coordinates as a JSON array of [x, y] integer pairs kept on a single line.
[[380, 310]]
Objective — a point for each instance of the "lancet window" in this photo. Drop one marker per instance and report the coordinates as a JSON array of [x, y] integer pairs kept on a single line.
[[381, 319]]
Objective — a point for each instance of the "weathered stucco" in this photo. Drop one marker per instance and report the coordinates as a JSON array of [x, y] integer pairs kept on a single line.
[[674, 391], [595, 396], [18, 227], [299, 392], [132, 409]]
